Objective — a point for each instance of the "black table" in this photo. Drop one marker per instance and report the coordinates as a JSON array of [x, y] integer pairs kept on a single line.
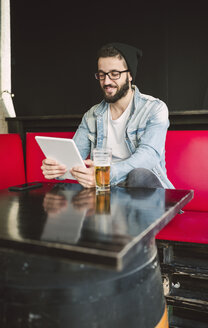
[[71, 258]]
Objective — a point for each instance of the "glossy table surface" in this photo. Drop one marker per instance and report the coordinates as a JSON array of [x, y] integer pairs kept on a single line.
[[69, 221]]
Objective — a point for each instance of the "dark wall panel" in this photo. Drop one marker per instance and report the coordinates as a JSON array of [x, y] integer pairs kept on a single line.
[[188, 55], [54, 46]]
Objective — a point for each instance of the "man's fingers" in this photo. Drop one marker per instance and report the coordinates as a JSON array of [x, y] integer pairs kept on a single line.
[[51, 176], [89, 162], [87, 181], [49, 161], [80, 169], [83, 176], [51, 169]]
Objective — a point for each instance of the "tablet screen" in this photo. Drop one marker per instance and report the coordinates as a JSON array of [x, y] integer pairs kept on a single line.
[[63, 150]]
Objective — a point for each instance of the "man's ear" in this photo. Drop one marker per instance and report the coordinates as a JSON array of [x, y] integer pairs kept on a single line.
[[130, 77]]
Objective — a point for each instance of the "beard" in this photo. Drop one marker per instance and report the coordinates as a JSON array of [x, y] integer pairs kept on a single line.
[[119, 94]]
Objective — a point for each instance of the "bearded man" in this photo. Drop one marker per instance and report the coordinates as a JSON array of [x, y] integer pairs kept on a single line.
[[132, 124]]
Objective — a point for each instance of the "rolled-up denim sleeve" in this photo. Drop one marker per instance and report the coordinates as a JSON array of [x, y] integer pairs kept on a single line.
[[150, 147]]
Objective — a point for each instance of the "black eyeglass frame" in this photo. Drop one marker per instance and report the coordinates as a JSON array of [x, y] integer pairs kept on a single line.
[[96, 74]]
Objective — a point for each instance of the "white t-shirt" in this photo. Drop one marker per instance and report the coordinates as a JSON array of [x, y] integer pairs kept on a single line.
[[116, 135]]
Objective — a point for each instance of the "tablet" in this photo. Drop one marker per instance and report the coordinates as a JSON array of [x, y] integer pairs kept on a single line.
[[63, 150]]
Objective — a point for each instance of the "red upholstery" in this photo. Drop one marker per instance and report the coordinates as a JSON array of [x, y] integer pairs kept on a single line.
[[187, 168], [187, 164], [34, 154], [12, 161], [191, 226]]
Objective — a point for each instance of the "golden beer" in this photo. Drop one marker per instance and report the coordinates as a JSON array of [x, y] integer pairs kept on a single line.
[[102, 161], [102, 177]]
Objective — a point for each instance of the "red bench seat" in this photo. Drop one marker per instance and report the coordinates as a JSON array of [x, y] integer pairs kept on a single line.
[[187, 168], [12, 160]]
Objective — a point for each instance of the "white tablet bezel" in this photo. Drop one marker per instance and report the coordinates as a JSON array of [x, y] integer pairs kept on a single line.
[[63, 150]]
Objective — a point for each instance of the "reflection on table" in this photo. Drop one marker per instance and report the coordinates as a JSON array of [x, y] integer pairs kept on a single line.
[[83, 222], [73, 258]]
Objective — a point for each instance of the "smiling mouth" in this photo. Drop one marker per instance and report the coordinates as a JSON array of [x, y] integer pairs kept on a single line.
[[109, 88]]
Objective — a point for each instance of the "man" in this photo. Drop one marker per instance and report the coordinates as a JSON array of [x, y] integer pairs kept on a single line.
[[134, 125]]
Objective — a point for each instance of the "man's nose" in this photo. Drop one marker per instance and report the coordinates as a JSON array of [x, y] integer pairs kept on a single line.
[[107, 79]]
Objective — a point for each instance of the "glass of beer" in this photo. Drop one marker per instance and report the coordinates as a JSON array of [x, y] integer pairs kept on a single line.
[[102, 162]]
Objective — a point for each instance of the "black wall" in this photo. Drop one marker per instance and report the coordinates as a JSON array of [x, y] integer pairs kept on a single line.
[[54, 46]]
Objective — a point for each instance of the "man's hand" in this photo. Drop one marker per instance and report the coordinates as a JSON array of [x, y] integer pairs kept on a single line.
[[51, 169], [85, 175]]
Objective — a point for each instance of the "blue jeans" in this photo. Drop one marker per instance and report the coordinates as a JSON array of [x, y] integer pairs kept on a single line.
[[142, 178]]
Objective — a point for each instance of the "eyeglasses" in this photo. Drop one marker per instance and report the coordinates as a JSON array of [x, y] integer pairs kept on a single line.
[[113, 75]]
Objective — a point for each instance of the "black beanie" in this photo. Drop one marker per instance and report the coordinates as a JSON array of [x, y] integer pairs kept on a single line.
[[131, 55]]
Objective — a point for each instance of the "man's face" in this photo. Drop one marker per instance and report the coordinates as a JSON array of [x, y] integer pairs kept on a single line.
[[113, 90]]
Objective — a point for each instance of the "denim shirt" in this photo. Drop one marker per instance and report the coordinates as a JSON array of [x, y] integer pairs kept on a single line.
[[145, 136]]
